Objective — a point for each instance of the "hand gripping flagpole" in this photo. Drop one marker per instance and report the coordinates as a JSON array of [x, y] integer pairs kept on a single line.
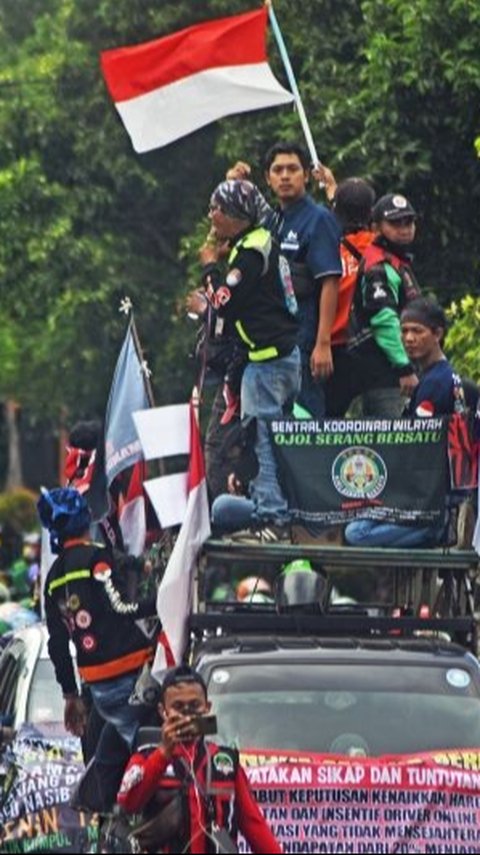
[[293, 83]]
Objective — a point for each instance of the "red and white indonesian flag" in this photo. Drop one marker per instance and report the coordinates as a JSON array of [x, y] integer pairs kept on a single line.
[[167, 88], [176, 588]]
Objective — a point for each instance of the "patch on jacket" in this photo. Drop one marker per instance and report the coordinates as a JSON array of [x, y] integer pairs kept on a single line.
[[131, 778], [223, 764]]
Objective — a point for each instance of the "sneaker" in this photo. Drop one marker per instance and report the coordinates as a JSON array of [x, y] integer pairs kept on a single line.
[[266, 534]]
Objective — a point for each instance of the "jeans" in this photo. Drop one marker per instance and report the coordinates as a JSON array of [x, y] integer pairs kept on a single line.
[[232, 513], [268, 392], [373, 533], [111, 700], [122, 720]]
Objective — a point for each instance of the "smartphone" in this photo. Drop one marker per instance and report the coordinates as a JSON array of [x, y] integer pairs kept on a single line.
[[205, 725]]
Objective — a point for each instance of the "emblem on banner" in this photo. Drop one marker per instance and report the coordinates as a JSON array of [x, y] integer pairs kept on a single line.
[[359, 473]]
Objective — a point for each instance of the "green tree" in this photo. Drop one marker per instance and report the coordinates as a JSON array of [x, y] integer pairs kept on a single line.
[[391, 91], [464, 335]]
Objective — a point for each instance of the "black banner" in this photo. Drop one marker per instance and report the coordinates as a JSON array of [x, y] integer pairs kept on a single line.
[[392, 470], [37, 775]]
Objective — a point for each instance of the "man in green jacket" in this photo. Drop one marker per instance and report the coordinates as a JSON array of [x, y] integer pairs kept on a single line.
[[385, 285]]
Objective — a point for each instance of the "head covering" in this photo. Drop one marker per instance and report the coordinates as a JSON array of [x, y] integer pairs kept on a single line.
[[250, 586], [241, 200], [222, 594], [64, 512], [426, 312], [301, 590], [182, 674], [392, 207], [298, 565]]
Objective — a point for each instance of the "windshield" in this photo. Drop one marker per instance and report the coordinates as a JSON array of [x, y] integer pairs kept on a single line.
[[45, 702], [336, 708]]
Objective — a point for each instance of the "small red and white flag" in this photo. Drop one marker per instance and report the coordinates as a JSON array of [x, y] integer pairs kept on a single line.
[[169, 87], [175, 593], [131, 512]]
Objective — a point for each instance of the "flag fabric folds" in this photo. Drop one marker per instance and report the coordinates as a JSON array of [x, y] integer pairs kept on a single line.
[[119, 468], [165, 432], [169, 87], [127, 394], [175, 593]]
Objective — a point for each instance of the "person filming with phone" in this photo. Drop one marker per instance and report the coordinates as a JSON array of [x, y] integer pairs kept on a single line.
[[193, 792]]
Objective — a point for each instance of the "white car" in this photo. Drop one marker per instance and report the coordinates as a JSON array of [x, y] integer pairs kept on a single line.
[[42, 763], [29, 692]]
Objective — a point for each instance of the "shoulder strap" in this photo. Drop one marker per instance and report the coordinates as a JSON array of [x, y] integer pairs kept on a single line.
[[377, 254], [351, 248]]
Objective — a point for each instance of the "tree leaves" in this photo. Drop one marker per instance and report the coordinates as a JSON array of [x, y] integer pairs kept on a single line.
[[391, 91]]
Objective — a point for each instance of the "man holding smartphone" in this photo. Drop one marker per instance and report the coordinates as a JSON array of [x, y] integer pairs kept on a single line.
[[199, 786]]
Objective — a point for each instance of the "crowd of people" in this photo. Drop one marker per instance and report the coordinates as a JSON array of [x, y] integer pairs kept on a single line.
[[19, 578], [306, 308], [309, 309]]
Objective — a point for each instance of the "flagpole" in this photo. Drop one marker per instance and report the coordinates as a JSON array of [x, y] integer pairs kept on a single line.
[[145, 372], [146, 376], [293, 83]]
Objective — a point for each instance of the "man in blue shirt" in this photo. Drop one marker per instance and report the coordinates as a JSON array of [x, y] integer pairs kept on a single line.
[[309, 237], [440, 390], [438, 393]]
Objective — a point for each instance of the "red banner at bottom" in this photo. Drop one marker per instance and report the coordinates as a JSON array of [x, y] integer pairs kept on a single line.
[[422, 803]]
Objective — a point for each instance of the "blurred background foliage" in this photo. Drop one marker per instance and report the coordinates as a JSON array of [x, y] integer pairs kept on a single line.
[[392, 93]]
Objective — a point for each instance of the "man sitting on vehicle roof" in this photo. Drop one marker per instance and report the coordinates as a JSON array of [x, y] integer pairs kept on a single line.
[[439, 393]]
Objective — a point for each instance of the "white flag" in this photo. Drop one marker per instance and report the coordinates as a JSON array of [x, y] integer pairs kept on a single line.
[[175, 594]]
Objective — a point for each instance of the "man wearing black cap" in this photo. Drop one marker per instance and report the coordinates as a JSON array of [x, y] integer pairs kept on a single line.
[[385, 286], [212, 792]]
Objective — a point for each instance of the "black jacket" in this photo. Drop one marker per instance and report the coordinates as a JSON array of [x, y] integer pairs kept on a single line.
[[85, 601], [251, 298]]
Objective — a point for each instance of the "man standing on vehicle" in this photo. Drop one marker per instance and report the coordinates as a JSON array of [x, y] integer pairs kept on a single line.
[[199, 786], [385, 285], [309, 237], [252, 302]]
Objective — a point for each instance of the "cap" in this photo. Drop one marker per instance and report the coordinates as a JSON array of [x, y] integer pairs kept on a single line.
[[392, 207], [182, 674]]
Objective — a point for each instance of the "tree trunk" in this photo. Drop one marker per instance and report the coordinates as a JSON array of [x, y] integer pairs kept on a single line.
[[14, 471]]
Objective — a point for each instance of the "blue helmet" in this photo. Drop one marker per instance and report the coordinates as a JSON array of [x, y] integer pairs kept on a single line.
[[64, 512]]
